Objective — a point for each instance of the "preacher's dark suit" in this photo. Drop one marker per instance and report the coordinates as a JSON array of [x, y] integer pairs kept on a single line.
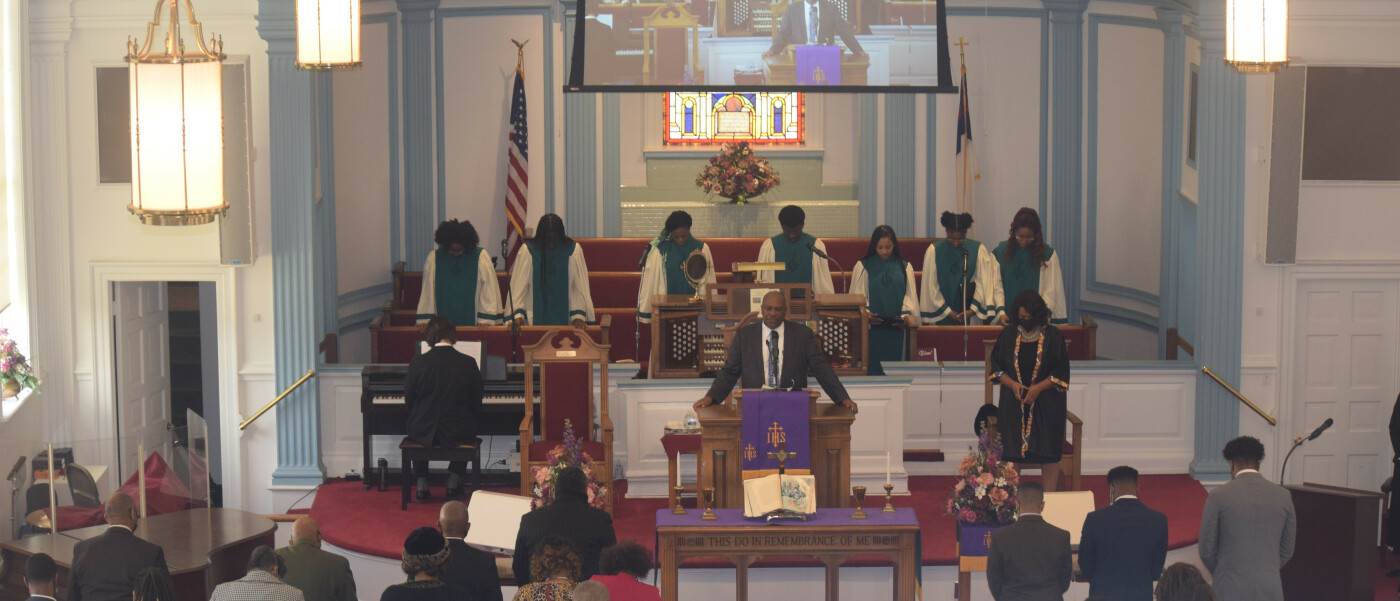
[[830, 24], [800, 354], [1122, 550], [105, 566], [572, 518], [471, 570], [1029, 561]]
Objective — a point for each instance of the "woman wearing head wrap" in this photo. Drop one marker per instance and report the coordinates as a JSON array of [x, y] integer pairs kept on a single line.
[[549, 281], [665, 260], [459, 280], [1028, 263], [962, 280], [887, 282], [424, 553]]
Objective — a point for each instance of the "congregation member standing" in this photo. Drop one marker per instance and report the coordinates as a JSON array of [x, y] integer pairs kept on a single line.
[[105, 566], [962, 280], [442, 391], [549, 281], [1030, 559], [1247, 529], [262, 582], [794, 249], [425, 552], [467, 567], [1031, 362], [1123, 546], [320, 575], [586, 528], [664, 272], [459, 280], [887, 282], [1028, 263]]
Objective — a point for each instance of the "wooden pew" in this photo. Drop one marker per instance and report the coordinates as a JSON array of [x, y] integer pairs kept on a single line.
[[1082, 340]]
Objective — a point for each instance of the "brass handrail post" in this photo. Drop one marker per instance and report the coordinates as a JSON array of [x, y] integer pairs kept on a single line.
[[1267, 417], [309, 373]]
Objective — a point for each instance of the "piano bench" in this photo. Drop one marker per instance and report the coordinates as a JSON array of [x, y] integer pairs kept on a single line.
[[410, 451]]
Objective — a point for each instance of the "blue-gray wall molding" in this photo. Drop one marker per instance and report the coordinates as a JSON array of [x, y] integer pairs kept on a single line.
[[900, 170], [1121, 314], [1220, 227], [419, 127], [391, 61], [932, 228], [1067, 118], [612, 165], [868, 165], [325, 207], [581, 164], [291, 158], [1173, 97], [1091, 189]]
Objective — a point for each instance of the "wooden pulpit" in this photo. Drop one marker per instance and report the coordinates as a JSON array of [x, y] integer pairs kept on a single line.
[[721, 464], [1334, 551]]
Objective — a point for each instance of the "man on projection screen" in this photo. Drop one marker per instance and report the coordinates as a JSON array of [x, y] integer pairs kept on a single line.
[[814, 22]]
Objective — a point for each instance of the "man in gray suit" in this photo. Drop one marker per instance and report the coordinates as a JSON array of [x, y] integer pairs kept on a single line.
[[1030, 559], [320, 575], [1247, 529], [775, 354]]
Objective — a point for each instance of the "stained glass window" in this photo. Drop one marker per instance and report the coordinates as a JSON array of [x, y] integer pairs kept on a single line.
[[718, 117]]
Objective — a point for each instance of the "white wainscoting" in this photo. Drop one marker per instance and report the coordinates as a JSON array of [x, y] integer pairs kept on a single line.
[[1135, 413]]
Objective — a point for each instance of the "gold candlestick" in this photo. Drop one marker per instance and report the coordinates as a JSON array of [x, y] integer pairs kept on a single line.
[[709, 505], [678, 510], [889, 499], [860, 499]]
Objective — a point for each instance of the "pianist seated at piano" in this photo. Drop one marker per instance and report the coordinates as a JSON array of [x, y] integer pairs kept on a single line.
[[443, 391], [459, 279], [549, 280]]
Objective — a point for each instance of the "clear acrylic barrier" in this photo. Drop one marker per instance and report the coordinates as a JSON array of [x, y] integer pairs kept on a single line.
[[191, 450]]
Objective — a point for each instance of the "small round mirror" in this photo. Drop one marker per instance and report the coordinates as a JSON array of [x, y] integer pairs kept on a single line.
[[696, 267]]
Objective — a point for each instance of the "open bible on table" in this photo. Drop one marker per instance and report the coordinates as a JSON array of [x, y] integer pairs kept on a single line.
[[780, 493]]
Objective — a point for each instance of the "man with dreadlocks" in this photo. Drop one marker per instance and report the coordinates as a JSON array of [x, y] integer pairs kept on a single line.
[[459, 280], [549, 282]]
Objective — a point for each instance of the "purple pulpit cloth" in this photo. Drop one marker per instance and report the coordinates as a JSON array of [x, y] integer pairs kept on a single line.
[[818, 65], [775, 419]]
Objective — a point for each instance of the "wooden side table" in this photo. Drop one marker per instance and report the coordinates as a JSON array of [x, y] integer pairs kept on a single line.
[[677, 445]]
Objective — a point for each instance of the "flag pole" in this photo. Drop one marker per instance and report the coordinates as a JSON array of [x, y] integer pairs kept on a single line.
[[520, 55]]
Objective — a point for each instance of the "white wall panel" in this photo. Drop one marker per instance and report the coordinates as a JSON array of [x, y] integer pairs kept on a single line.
[[363, 176]]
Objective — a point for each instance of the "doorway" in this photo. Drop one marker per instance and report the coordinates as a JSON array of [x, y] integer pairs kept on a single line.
[[166, 380]]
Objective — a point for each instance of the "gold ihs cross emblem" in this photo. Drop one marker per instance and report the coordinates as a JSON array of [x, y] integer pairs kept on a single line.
[[818, 75], [776, 436], [749, 452]]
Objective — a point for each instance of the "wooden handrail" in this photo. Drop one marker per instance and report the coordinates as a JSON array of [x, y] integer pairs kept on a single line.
[[309, 373], [1267, 417], [1175, 341]]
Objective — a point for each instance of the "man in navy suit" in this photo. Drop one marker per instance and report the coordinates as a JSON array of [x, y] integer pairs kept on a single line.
[[1123, 546], [814, 22]]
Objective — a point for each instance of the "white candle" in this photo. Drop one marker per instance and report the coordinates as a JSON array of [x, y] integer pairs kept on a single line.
[[678, 469], [887, 467]]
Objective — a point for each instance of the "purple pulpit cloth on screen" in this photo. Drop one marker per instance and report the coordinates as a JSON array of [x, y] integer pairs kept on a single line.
[[818, 65], [773, 418]]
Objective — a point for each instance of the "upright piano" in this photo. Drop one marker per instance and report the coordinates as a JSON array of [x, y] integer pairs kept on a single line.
[[384, 413]]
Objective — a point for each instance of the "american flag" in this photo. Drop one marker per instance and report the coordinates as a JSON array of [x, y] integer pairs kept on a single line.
[[966, 155], [517, 177]]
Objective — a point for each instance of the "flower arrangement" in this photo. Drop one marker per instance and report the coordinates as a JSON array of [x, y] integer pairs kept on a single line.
[[986, 488], [738, 174], [568, 454], [14, 367]]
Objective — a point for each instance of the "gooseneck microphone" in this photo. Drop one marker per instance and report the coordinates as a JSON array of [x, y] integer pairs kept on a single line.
[[812, 246], [646, 252], [1297, 442], [966, 321]]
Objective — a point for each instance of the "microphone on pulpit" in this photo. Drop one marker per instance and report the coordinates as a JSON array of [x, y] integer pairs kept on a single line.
[[646, 252], [812, 246], [1297, 442]]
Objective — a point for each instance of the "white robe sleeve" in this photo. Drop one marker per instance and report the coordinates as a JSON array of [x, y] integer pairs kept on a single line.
[[427, 299], [989, 292], [765, 255], [580, 296], [709, 277], [860, 283], [653, 282], [1052, 289], [911, 293], [488, 292], [933, 308], [821, 272], [522, 284]]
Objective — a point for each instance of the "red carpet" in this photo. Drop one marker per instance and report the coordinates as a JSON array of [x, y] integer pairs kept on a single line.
[[370, 522]]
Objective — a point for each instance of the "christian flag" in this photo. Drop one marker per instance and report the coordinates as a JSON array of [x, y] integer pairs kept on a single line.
[[967, 156], [517, 170]]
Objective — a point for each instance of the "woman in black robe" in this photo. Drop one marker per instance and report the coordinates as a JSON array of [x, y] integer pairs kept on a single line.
[[1031, 363]]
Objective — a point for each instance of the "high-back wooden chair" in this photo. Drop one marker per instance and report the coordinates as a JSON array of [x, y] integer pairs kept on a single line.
[[670, 45], [1071, 455], [565, 359]]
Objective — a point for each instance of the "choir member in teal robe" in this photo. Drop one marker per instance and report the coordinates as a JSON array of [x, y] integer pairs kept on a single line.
[[549, 281], [945, 284], [459, 279], [887, 282], [1028, 263], [662, 273], [793, 248]]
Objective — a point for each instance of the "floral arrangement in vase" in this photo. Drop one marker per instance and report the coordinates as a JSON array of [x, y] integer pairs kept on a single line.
[[986, 488], [569, 453], [15, 372], [736, 173]]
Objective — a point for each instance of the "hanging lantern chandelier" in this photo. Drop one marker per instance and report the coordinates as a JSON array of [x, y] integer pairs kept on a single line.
[[177, 130], [328, 34], [1256, 35]]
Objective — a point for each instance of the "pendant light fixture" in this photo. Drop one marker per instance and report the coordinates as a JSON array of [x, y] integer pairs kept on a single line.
[[328, 34], [1256, 35]]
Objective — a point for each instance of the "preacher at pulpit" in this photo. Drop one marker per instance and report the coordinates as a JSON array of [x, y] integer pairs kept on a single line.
[[814, 22], [775, 353]]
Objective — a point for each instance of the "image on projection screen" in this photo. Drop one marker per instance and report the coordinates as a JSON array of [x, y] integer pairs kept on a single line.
[[760, 43]]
